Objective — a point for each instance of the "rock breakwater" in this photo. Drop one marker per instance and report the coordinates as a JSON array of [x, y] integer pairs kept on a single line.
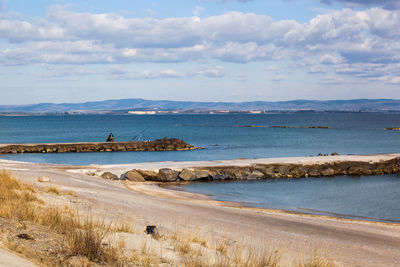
[[155, 145], [271, 171]]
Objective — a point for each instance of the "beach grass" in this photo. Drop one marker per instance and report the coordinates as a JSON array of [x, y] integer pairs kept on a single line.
[[53, 190], [92, 239], [83, 237]]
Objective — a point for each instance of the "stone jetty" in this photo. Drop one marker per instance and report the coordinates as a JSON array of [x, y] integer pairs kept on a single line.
[[155, 145], [326, 166]]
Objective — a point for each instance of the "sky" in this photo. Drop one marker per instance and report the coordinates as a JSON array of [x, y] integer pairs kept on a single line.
[[198, 50]]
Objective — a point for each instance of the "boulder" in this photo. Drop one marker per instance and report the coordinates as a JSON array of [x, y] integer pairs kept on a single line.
[[328, 172], [43, 179], [194, 174], [167, 175], [201, 174], [132, 175], [237, 173], [187, 175], [109, 176], [298, 171], [148, 175], [267, 170], [255, 174], [283, 169], [314, 171], [217, 174], [270, 171]]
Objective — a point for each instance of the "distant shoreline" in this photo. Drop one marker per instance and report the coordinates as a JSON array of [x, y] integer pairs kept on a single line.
[[189, 112], [138, 106]]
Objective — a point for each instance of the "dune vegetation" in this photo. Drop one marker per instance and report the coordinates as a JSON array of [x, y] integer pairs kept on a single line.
[[65, 236]]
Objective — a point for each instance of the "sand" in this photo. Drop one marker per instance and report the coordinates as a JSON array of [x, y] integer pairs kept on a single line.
[[349, 242]]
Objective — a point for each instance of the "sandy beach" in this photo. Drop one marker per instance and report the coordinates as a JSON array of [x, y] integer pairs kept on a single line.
[[349, 242]]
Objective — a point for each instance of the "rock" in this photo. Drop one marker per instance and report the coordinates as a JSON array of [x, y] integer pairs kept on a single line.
[[217, 174], [298, 171], [167, 175], [109, 176], [238, 173], [44, 179], [255, 174], [360, 170], [148, 175], [314, 171], [187, 175], [328, 172], [194, 174], [334, 154], [270, 171], [283, 169], [201, 174], [132, 175]]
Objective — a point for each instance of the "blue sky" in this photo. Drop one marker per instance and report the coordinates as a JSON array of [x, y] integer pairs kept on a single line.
[[205, 50]]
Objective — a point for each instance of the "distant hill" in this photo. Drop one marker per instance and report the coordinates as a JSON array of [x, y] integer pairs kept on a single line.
[[142, 104]]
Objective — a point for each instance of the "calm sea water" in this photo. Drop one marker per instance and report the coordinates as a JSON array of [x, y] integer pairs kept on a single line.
[[354, 133], [365, 197], [350, 133]]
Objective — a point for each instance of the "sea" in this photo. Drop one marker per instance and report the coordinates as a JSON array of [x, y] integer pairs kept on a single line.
[[231, 136]]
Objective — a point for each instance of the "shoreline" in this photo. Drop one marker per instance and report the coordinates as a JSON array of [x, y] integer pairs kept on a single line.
[[162, 189], [355, 242], [168, 191]]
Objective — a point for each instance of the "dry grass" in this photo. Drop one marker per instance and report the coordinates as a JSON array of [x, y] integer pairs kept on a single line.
[[314, 260], [88, 241], [53, 190], [123, 227], [82, 237], [222, 246]]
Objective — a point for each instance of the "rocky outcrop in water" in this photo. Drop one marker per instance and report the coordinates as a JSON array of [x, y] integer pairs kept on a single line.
[[156, 145], [273, 171]]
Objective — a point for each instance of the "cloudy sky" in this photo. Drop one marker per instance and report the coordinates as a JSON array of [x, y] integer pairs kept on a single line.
[[208, 50]]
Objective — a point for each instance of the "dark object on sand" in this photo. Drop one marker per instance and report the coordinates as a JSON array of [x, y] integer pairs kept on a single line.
[[110, 138], [151, 230], [25, 236]]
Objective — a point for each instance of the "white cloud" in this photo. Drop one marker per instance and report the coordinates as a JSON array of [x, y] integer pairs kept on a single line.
[[211, 72], [68, 37], [317, 69], [117, 72]]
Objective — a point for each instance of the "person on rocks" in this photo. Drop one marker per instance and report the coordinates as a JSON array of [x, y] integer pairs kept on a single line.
[[110, 138]]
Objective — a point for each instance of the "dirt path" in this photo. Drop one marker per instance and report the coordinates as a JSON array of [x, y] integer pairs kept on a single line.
[[351, 243]]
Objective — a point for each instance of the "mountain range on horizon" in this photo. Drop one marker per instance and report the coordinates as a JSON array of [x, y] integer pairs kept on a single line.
[[143, 104]]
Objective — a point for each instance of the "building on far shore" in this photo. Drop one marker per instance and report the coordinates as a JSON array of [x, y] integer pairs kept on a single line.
[[142, 112]]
